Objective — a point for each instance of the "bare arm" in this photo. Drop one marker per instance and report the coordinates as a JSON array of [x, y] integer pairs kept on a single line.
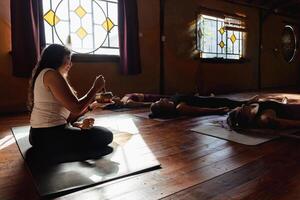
[[268, 119], [74, 117], [61, 91], [185, 109], [134, 104]]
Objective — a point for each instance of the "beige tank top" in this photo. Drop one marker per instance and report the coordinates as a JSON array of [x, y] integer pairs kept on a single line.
[[47, 111]]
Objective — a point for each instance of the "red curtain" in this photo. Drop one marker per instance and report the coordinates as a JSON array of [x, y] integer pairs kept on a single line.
[[27, 35], [129, 37]]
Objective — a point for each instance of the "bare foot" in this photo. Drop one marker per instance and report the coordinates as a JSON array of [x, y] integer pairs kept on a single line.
[[284, 100]]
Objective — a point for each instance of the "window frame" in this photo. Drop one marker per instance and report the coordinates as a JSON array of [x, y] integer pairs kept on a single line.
[[91, 58], [223, 15]]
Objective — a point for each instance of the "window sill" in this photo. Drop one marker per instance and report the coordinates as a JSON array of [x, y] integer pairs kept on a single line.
[[222, 60], [88, 58]]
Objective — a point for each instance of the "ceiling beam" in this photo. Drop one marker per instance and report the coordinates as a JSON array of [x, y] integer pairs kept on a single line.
[[274, 4], [265, 8], [272, 7], [245, 3], [290, 4]]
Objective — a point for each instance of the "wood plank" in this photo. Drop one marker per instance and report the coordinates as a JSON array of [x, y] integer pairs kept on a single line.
[[242, 183], [165, 187], [279, 181], [155, 185], [193, 165], [15, 181]]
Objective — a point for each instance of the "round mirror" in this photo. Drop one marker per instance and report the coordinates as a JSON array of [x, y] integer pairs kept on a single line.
[[288, 43]]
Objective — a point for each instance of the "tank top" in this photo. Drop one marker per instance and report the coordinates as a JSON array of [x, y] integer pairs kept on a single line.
[[47, 111]]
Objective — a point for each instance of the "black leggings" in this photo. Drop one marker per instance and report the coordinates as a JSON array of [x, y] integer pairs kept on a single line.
[[68, 138]]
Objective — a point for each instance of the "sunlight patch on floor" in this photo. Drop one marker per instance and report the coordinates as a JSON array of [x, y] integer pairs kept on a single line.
[[119, 124], [6, 141]]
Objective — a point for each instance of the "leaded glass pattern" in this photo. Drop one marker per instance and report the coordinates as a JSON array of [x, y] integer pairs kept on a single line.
[[214, 40], [91, 26]]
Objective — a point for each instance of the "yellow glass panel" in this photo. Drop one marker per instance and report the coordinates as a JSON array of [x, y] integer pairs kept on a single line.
[[108, 24], [80, 11], [222, 30], [51, 18], [81, 32], [233, 38], [222, 44]]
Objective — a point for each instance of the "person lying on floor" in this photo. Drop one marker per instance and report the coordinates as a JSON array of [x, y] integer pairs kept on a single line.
[[54, 103], [132, 100], [265, 114], [193, 106]]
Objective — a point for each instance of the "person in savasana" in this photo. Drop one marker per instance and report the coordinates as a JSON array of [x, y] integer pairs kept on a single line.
[[265, 114], [130, 100], [192, 105], [54, 103]]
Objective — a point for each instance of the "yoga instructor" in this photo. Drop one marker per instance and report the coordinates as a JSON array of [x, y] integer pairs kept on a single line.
[[53, 104]]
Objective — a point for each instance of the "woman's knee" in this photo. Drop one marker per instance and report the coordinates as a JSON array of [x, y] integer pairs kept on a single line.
[[102, 135], [108, 136]]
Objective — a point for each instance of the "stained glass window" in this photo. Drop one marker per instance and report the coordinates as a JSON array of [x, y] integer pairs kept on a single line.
[[87, 26], [220, 37]]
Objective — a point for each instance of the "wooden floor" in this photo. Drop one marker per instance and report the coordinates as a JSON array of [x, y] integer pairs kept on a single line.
[[194, 166]]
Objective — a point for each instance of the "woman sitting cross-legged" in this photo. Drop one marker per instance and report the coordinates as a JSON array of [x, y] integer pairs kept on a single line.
[[54, 104], [193, 106], [265, 114]]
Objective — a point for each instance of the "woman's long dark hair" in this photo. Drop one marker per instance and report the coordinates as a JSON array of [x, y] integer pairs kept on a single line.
[[52, 57]]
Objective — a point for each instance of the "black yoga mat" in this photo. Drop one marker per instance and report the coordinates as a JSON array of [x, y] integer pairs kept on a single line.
[[63, 173]]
